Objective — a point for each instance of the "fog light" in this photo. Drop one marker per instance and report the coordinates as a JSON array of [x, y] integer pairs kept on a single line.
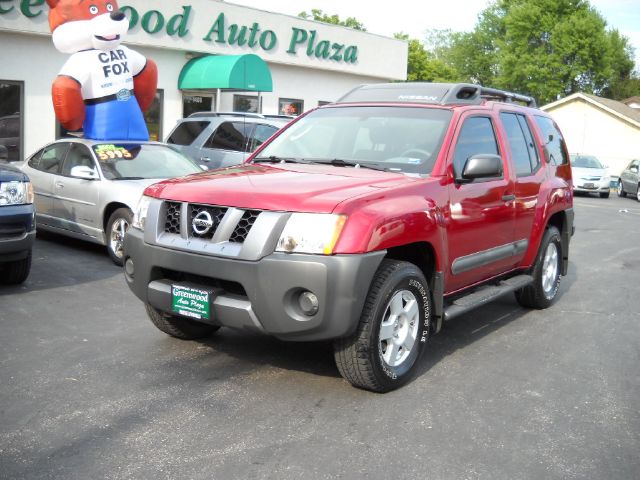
[[308, 303], [128, 267]]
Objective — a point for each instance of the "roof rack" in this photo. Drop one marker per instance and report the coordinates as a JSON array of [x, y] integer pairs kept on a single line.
[[226, 114], [432, 93]]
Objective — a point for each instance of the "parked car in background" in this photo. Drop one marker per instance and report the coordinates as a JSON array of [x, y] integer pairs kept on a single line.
[[590, 175], [17, 223], [88, 189], [629, 181], [223, 139]]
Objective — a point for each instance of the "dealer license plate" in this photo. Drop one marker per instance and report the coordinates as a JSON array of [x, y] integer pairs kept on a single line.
[[191, 302]]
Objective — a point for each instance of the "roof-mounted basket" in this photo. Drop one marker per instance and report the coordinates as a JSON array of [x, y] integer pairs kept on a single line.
[[433, 93]]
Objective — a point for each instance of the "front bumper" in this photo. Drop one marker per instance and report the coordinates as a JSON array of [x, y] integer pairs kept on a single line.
[[17, 232], [596, 186], [258, 295]]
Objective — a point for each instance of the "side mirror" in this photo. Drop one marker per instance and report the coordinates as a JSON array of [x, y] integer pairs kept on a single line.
[[84, 172], [483, 165], [634, 169]]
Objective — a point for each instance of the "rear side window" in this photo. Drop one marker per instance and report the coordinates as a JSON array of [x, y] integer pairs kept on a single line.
[[476, 137], [523, 150], [52, 158], [232, 136], [260, 135], [187, 132], [555, 148]]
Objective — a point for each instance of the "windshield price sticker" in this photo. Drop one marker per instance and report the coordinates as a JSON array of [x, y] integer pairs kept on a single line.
[[112, 152], [190, 302]]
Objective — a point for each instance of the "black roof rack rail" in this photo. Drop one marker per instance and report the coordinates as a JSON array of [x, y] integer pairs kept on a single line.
[[225, 114], [432, 93]]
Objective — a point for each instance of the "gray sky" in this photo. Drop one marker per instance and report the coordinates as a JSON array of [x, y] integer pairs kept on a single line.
[[416, 16]]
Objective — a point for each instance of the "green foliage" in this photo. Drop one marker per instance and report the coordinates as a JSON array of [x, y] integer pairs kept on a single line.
[[545, 48], [423, 66], [319, 16]]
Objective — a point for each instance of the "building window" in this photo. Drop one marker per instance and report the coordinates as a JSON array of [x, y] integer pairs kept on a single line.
[[246, 103], [192, 103], [290, 106], [153, 117], [11, 108]]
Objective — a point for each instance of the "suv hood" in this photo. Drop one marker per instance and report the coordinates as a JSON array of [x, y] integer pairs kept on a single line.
[[289, 187]]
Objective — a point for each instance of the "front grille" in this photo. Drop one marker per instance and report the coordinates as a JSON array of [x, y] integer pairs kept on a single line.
[[204, 220], [172, 223], [241, 231]]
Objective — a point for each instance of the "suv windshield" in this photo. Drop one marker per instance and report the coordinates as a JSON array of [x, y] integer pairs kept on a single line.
[[127, 160], [584, 161], [405, 139]]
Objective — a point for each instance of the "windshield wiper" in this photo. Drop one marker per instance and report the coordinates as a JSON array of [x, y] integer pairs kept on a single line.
[[338, 162], [275, 159], [129, 178]]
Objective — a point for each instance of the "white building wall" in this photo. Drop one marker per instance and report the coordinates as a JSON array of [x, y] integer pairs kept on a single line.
[[593, 131]]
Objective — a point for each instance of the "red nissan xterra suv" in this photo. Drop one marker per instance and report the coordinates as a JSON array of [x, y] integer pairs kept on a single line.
[[368, 222]]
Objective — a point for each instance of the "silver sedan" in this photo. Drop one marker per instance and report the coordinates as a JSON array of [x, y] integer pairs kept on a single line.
[[88, 189]]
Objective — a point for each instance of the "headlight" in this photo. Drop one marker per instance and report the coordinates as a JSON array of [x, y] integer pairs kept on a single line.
[[140, 216], [16, 193], [311, 233]]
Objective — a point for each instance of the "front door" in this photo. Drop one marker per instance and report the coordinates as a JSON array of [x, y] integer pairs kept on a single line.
[[482, 212]]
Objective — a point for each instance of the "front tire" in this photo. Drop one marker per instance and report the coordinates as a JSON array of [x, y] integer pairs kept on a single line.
[[117, 226], [179, 327], [604, 194], [546, 273], [382, 354], [620, 189], [17, 271]]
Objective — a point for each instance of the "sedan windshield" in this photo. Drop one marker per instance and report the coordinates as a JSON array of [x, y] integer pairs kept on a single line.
[[404, 139], [124, 161], [585, 161]]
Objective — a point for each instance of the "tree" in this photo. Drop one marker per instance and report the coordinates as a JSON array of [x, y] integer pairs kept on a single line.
[[319, 16], [423, 66], [546, 48]]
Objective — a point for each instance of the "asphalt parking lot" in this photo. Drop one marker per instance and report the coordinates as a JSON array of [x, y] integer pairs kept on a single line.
[[89, 389]]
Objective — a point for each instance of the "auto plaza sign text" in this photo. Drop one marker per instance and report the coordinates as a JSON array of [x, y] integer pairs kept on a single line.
[[221, 31]]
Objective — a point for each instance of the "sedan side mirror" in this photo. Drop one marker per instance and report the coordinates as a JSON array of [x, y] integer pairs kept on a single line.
[[84, 172], [484, 165], [634, 169]]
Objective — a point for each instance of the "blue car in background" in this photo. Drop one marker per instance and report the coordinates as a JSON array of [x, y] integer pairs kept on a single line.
[[17, 223]]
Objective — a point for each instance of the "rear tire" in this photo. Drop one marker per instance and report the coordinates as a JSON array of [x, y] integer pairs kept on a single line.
[[546, 273], [638, 193], [179, 327], [17, 271], [382, 354]]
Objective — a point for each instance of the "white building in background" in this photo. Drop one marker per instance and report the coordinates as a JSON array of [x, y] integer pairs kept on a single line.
[[211, 55], [592, 125]]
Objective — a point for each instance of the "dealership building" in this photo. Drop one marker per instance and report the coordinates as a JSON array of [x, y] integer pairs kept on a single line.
[[211, 56]]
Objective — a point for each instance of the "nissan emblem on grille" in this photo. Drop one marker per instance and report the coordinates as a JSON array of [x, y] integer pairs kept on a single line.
[[202, 223]]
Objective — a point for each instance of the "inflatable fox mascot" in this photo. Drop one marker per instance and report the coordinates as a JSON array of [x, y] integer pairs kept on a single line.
[[104, 86]]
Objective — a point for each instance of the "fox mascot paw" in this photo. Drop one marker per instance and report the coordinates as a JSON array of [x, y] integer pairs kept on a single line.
[[104, 86]]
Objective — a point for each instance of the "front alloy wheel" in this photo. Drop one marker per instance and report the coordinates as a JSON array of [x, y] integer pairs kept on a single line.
[[620, 189], [399, 328]]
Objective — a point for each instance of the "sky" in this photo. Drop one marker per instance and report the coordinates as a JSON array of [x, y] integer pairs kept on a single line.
[[416, 16]]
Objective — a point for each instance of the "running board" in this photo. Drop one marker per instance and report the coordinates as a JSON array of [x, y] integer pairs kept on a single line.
[[484, 295]]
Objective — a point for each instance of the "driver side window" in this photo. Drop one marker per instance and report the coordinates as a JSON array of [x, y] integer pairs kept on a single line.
[[78, 156], [476, 137]]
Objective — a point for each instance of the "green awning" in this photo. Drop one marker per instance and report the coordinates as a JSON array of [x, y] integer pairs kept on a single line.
[[232, 72]]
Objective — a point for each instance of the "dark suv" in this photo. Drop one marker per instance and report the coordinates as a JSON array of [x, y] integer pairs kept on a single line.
[[223, 139], [17, 224]]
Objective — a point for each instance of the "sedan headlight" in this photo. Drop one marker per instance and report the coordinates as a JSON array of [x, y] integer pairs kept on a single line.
[[311, 233], [16, 193], [140, 215]]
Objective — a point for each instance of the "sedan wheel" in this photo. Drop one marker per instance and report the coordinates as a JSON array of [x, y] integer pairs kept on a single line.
[[117, 227], [620, 189]]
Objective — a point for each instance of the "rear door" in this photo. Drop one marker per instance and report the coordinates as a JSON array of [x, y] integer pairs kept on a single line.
[[186, 137], [482, 212]]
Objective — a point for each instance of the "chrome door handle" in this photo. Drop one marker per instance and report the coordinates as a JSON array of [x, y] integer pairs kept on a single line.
[[205, 159], [59, 185]]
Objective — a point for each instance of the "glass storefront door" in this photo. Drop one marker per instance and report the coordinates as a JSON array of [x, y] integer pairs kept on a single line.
[[195, 102], [11, 108]]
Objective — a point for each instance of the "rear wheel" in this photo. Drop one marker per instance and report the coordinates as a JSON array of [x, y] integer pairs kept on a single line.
[[179, 327], [382, 354], [620, 189], [638, 193], [546, 273], [17, 271], [117, 226]]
